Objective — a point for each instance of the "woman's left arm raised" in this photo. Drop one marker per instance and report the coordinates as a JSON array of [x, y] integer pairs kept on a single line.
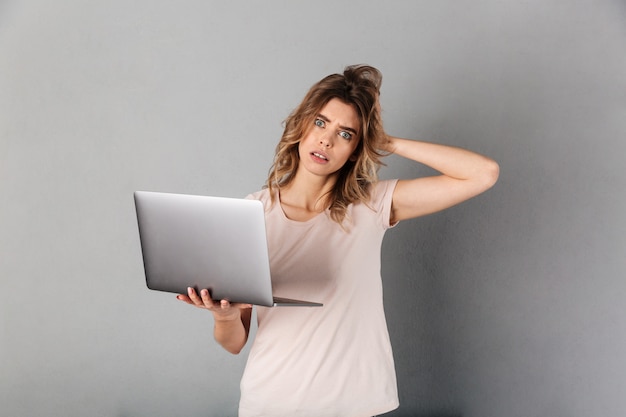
[[464, 174]]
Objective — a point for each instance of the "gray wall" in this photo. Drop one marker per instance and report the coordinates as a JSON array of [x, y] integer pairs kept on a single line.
[[512, 304]]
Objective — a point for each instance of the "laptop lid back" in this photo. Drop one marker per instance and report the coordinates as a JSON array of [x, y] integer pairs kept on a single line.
[[208, 242]]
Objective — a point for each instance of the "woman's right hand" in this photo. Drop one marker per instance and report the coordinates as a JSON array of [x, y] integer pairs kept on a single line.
[[232, 320], [222, 310]]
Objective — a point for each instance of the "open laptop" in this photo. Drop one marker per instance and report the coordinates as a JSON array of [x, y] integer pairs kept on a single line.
[[201, 242]]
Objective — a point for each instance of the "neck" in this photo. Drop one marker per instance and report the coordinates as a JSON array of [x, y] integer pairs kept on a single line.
[[308, 192]]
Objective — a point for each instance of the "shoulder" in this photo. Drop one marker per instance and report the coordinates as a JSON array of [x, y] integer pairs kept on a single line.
[[378, 207], [263, 196], [381, 192], [258, 195]]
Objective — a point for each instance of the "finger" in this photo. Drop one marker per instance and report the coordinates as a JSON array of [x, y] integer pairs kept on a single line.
[[241, 306], [225, 304], [193, 296], [184, 298], [206, 299]]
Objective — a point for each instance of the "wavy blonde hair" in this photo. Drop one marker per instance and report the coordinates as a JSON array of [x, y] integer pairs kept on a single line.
[[359, 86]]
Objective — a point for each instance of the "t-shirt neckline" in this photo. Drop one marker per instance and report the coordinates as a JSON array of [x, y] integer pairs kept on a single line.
[[298, 222]]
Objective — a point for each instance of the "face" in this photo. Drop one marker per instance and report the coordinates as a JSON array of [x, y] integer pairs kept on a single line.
[[332, 139]]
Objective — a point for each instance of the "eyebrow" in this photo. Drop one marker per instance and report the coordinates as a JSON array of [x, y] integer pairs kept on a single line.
[[327, 120]]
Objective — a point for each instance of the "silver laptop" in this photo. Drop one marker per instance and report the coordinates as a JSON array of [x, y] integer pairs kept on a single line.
[[201, 242]]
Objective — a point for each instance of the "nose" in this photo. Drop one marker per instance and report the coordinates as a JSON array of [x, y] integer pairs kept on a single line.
[[325, 140]]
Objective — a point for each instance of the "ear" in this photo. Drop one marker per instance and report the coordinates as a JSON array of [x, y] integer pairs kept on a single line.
[[353, 158]]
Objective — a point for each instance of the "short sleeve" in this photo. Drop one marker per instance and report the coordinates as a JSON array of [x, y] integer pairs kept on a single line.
[[381, 201]]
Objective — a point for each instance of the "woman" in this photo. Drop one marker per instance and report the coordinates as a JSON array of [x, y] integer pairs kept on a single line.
[[326, 214]]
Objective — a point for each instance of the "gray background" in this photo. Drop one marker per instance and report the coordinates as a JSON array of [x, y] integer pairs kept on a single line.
[[512, 304]]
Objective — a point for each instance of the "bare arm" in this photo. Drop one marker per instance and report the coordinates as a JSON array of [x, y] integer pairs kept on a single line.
[[464, 174], [232, 321]]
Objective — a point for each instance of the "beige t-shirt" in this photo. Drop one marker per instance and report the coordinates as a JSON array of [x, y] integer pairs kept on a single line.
[[334, 360]]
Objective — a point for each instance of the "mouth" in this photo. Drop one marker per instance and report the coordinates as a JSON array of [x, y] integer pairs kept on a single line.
[[319, 155]]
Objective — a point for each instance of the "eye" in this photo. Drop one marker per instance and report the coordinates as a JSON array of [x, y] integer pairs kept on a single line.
[[319, 123], [345, 135]]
